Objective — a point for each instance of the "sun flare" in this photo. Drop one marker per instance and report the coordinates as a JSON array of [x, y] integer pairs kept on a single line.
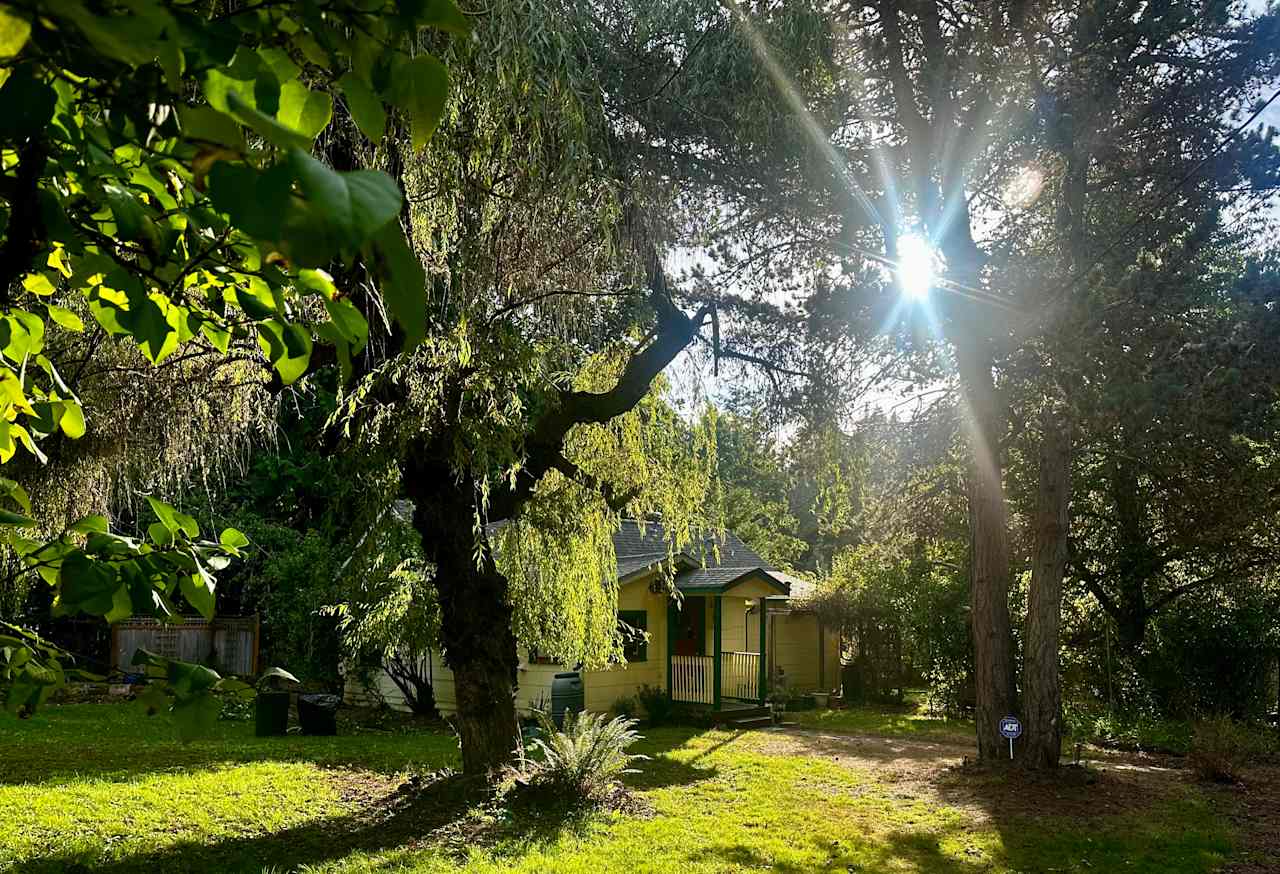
[[917, 266]]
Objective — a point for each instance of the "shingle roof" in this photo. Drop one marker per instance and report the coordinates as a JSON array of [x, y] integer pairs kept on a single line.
[[708, 564], [637, 547], [801, 588]]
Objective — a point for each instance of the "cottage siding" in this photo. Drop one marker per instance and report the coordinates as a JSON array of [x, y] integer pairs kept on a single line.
[[792, 643], [741, 628], [602, 688], [794, 647]]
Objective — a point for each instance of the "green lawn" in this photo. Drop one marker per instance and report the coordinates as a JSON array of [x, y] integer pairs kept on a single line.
[[102, 788], [911, 720]]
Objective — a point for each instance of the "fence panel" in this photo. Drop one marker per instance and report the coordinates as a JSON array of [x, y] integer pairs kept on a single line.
[[230, 644]]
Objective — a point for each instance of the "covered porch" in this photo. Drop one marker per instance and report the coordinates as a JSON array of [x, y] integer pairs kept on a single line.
[[717, 645]]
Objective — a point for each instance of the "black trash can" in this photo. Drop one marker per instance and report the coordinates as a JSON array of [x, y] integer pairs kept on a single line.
[[271, 714], [567, 696], [318, 714]]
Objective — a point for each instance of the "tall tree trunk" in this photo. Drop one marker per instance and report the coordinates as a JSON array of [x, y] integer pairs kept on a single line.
[[994, 681], [1137, 563], [1041, 690], [479, 646]]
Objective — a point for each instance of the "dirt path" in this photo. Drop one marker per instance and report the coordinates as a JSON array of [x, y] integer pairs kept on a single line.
[[943, 772], [1113, 782]]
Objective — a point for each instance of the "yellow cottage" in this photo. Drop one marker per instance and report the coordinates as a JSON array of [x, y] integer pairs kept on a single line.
[[739, 625]]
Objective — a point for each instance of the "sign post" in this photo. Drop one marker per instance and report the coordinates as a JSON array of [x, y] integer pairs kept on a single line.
[[1011, 728]]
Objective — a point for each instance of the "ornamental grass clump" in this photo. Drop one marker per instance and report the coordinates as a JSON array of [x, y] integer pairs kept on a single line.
[[583, 762]]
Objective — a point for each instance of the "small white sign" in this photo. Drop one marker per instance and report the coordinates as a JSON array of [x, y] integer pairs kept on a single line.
[[1011, 727]]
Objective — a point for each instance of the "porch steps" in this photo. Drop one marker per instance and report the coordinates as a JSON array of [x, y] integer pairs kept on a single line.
[[734, 714], [744, 718], [752, 722]]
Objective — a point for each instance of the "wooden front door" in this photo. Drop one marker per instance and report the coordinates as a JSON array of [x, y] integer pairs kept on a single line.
[[691, 627]]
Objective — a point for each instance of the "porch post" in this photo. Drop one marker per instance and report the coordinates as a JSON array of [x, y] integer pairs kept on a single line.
[[673, 618], [764, 662], [715, 653]]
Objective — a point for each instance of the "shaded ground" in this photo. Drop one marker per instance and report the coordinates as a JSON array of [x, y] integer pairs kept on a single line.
[[1255, 809], [942, 771]]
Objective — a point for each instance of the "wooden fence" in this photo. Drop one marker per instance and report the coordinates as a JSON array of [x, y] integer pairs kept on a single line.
[[229, 644]]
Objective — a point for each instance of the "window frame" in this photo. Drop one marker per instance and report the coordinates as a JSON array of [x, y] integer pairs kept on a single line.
[[641, 649]]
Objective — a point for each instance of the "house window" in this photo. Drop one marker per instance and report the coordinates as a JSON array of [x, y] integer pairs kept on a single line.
[[634, 625], [536, 659]]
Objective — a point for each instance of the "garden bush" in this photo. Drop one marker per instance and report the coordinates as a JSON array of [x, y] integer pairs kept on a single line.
[[1220, 749], [628, 707], [1127, 729], [658, 708], [583, 761]]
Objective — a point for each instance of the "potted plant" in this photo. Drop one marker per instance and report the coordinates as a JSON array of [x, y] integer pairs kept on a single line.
[[821, 699], [271, 708], [779, 694]]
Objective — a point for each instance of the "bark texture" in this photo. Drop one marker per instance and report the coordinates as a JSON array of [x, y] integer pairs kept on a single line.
[[994, 677], [477, 641], [1041, 743], [479, 645]]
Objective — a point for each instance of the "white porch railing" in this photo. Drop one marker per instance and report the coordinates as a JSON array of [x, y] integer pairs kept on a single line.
[[691, 679], [740, 675]]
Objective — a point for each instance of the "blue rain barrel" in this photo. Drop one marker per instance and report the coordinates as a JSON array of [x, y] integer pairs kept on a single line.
[[567, 695]]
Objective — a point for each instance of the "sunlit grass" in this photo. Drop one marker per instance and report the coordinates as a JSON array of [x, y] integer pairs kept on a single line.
[[94, 819], [912, 719], [721, 802]]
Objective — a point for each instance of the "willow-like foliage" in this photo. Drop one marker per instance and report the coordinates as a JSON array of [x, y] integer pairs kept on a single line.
[[516, 205], [531, 217], [558, 556], [154, 430]]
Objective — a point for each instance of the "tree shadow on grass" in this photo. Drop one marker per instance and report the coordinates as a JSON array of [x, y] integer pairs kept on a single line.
[[661, 772], [57, 761], [448, 816], [453, 813], [899, 851], [1105, 818]]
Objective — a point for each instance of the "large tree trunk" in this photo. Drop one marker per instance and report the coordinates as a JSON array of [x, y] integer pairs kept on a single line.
[[994, 681], [475, 604], [479, 646], [1041, 690], [1137, 564]]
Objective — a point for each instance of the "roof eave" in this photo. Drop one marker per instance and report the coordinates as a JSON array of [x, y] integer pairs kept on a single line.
[[757, 573]]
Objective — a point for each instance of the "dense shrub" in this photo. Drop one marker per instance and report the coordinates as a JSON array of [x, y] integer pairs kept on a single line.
[[1129, 730], [1221, 748], [628, 707], [658, 708], [292, 575], [583, 761], [1212, 656]]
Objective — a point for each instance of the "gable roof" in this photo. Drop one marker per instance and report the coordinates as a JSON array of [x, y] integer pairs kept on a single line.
[[642, 546]]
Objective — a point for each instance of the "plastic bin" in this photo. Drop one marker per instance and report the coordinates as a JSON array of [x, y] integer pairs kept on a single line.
[[318, 714], [271, 714]]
